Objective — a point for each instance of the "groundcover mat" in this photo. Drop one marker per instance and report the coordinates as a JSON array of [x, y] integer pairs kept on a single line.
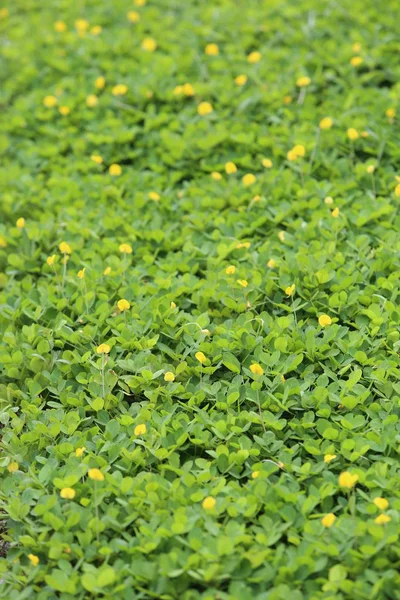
[[199, 286]]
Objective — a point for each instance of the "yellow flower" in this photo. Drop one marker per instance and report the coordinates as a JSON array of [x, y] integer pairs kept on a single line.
[[96, 475], [391, 113], [299, 150], [96, 30], [271, 263], [230, 168], [20, 223], [79, 451], [356, 47], [68, 493], [335, 213], [303, 81], [107, 271], [173, 305], [211, 50], [328, 200], [149, 44], [248, 179], [382, 519], [364, 134], [65, 248], [50, 260], [287, 99], [347, 480], [328, 520], [241, 80], [204, 108], [326, 123], [92, 100], [188, 89], [291, 155], [64, 110], [281, 235], [254, 57], [216, 176], [115, 170], [200, 357], [256, 198], [3, 242], [206, 331], [125, 248], [34, 559], [256, 369], [243, 282], [133, 16], [119, 90], [81, 273], [169, 376], [81, 25], [100, 82], [352, 134], [230, 270], [103, 349], [267, 163], [123, 305], [370, 169], [381, 503], [329, 457], [4, 13], [50, 101], [96, 158], [356, 61], [209, 503], [290, 290], [324, 320], [178, 90], [154, 196], [255, 474], [140, 429], [13, 467], [60, 26], [139, 2], [397, 190]]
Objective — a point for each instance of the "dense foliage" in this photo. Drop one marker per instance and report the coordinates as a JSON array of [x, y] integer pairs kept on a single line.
[[199, 285]]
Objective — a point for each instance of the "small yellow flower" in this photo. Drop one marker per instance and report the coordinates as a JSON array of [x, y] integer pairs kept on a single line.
[[20, 223], [324, 320], [139, 2], [248, 179], [299, 150], [381, 503], [115, 170], [356, 61], [291, 155], [329, 457], [81, 273], [64, 111], [13, 467], [3, 242], [50, 260], [149, 44], [289, 291], [68, 493], [79, 451], [97, 158], [255, 474], [243, 282], [96, 475], [92, 100], [65, 248], [391, 113], [352, 134], [107, 271], [133, 16], [119, 90], [328, 200], [103, 349], [200, 357], [34, 559], [303, 81], [172, 305], [140, 429], [204, 108], [347, 480], [216, 176], [211, 50], [326, 123], [60, 26], [209, 503], [154, 196], [188, 89], [100, 82], [123, 305], [81, 25], [281, 235], [230, 270], [254, 57], [382, 519], [50, 101], [397, 190], [256, 198], [125, 248], [364, 134], [169, 376], [230, 168], [356, 47], [328, 520], [256, 369], [178, 90], [206, 331], [4, 13], [335, 213], [287, 99], [241, 80], [271, 264], [267, 163], [96, 30], [370, 169]]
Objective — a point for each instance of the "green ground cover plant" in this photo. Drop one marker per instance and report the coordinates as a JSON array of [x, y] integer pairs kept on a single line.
[[199, 287]]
